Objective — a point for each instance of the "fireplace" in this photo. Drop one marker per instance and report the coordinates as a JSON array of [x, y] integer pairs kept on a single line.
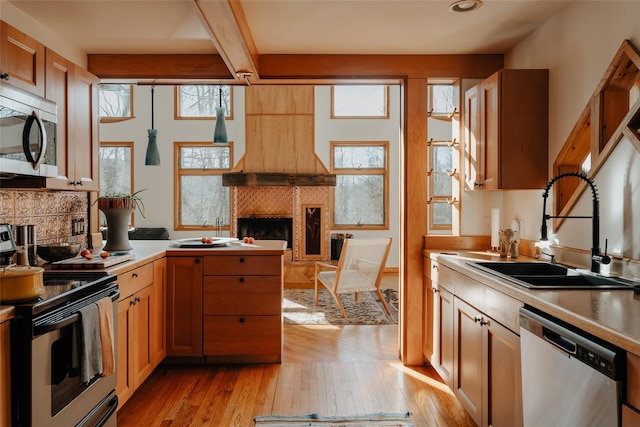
[[267, 229]]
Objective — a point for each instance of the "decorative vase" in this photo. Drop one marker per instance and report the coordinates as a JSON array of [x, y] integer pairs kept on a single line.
[[220, 131], [117, 211]]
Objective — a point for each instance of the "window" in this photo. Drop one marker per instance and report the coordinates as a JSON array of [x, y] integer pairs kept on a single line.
[[116, 170], [202, 203], [443, 158], [201, 101], [115, 102], [360, 197], [361, 101]]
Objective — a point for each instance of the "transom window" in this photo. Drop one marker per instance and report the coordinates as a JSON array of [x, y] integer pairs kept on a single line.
[[360, 197], [201, 101], [116, 171], [115, 102], [201, 202], [360, 101]]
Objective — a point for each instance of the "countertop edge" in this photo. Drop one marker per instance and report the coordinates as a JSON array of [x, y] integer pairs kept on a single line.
[[541, 299]]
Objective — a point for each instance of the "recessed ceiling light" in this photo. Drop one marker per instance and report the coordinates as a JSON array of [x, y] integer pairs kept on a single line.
[[465, 5]]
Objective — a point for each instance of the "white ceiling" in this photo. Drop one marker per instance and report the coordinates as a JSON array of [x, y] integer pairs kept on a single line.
[[296, 26]]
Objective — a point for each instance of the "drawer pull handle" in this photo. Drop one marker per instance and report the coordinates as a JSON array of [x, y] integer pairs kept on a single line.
[[134, 275], [241, 280], [197, 261], [241, 259], [137, 299], [242, 320], [434, 289]]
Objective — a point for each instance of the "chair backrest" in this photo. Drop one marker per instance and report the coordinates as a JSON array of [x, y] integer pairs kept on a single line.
[[361, 264]]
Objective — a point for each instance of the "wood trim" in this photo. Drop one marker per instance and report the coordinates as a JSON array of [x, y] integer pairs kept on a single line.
[[158, 66], [239, 179]]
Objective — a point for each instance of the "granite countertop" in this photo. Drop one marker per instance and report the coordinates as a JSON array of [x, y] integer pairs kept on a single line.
[[613, 315]]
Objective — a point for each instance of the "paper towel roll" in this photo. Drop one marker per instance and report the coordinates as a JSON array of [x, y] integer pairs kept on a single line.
[[495, 227]]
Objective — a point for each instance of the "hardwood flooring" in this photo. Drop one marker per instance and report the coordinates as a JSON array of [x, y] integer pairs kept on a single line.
[[329, 370]]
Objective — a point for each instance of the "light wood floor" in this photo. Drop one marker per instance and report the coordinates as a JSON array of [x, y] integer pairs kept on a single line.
[[329, 370]]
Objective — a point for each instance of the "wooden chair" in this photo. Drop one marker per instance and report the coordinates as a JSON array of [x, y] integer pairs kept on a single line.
[[359, 269]]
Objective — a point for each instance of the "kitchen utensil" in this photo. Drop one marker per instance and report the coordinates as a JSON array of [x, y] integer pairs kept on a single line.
[[18, 283], [58, 251]]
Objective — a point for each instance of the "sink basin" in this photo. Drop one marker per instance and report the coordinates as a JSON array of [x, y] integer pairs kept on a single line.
[[542, 275]]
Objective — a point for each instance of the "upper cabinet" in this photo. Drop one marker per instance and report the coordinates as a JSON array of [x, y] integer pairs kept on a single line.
[[31, 66], [21, 60], [506, 131]]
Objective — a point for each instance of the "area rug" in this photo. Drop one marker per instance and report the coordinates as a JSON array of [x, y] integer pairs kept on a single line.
[[299, 308], [315, 420]]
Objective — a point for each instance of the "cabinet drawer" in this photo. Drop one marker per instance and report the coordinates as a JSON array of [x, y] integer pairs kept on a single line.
[[256, 265], [242, 335], [134, 280], [248, 295]]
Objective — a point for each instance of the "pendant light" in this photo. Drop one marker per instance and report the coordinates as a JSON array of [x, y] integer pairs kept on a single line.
[[153, 156], [220, 131]]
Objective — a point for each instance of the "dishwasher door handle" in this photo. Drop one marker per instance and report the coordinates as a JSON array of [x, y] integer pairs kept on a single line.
[[559, 341]]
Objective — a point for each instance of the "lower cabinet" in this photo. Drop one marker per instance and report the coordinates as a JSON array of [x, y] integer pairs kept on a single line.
[[487, 377], [475, 347], [631, 408], [225, 308], [140, 306]]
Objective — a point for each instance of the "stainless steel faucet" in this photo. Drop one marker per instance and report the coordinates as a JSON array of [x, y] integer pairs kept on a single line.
[[596, 257]]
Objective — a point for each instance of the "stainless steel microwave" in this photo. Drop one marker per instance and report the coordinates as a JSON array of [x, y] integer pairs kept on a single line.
[[27, 133]]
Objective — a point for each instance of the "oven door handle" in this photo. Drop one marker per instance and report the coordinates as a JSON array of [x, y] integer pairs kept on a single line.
[[113, 405], [49, 327]]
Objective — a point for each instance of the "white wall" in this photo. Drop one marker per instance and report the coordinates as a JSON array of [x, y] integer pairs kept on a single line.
[[158, 180], [577, 46]]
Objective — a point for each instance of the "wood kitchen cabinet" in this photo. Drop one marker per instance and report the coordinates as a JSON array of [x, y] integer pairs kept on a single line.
[[5, 375], [184, 306], [139, 306], [22, 60], [242, 308], [75, 91], [477, 347], [506, 131], [631, 408]]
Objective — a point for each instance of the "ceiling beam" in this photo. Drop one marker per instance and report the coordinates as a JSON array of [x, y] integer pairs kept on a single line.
[[227, 26], [160, 66]]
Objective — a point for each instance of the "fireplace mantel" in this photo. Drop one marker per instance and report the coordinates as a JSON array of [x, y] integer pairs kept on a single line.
[[245, 179]]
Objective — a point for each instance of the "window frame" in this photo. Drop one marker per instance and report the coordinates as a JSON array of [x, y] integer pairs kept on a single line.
[[115, 119], [384, 116], [370, 171], [131, 146], [178, 173], [176, 105]]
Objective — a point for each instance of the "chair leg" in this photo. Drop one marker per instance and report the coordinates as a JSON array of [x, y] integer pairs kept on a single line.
[[339, 302], [383, 301]]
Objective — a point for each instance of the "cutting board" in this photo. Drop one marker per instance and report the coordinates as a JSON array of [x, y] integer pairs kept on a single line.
[[96, 263]]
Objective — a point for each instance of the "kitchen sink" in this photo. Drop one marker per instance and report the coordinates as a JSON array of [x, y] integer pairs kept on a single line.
[[544, 275]]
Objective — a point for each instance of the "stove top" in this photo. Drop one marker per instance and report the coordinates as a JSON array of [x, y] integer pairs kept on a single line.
[[64, 288]]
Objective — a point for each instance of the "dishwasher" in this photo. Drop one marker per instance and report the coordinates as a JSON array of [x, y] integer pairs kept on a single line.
[[569, 377]]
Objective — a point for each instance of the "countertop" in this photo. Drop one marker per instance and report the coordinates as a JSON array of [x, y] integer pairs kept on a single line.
[[613, 315]]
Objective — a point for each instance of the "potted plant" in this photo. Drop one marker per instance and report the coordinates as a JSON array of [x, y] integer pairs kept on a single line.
[[117, 209]]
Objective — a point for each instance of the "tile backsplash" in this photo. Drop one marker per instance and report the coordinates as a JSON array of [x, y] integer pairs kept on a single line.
[[54, 213]]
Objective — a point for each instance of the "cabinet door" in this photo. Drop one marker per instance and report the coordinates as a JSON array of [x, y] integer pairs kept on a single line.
[[428, 304], [444, 335], [490, 132], [124, 387], [59, 77], [22, 60], [85, 124], [502, 378], [158, 327], [468, 360], [142, 320], [184, 306], [473, 141]]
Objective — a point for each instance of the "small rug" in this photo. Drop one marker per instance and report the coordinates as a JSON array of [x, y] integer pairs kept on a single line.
[[299, 308], [314, 420]]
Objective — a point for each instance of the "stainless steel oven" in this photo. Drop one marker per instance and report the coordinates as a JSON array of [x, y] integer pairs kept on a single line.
[[27, 133], [46, 388]]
